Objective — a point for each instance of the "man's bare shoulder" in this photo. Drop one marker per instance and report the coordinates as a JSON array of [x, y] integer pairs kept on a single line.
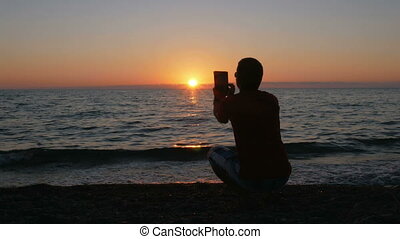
[[268, 96]]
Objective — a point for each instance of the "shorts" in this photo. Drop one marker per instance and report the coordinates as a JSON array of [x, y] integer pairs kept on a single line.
[[226, 166]]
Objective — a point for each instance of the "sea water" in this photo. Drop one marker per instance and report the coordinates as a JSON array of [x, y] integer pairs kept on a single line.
[[90, 136]]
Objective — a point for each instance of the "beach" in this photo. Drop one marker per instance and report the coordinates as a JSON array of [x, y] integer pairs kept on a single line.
[[198, 203]]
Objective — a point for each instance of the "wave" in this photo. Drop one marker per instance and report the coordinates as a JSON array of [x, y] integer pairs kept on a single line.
[[320, 149], [181, 152], [380, 142], [38, 156]]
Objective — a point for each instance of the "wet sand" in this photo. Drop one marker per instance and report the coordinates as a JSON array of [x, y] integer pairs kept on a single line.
[[198, 203]]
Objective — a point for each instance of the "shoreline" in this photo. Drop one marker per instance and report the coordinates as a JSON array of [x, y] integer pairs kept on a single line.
[[198, 203]]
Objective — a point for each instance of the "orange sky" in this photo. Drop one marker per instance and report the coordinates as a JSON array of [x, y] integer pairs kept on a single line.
[[96, 43]]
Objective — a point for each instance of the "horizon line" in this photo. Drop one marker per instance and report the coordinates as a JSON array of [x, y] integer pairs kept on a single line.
[[271, 84]]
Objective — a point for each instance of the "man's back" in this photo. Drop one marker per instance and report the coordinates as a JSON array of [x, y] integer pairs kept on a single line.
[[255, 120]]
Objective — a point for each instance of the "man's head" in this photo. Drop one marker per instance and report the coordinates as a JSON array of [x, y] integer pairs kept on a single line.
[[249, 74]]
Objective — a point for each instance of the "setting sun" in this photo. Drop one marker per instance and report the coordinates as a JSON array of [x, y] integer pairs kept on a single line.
[[193, 82]]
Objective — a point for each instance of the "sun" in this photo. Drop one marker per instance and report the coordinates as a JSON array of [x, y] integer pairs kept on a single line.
[[193, 82]]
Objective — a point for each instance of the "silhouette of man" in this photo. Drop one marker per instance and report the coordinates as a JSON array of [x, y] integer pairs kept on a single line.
[[261, 162]]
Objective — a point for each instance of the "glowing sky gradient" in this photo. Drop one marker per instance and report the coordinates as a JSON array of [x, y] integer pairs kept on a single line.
[[59, 43]]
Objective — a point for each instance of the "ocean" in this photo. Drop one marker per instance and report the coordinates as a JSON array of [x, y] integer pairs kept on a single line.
[[93, 136]]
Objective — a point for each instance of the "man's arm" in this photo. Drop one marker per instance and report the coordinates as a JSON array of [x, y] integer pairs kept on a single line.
[[220, 110], [277, 118], [220, 104]]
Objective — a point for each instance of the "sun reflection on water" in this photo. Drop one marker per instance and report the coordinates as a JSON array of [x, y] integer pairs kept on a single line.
[[191, 146], [193, 97]]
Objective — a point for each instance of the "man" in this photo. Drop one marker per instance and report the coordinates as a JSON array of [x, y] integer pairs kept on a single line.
[[261, 162]]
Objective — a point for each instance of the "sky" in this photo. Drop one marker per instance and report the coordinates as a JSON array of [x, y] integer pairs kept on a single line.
[[80, 43]]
